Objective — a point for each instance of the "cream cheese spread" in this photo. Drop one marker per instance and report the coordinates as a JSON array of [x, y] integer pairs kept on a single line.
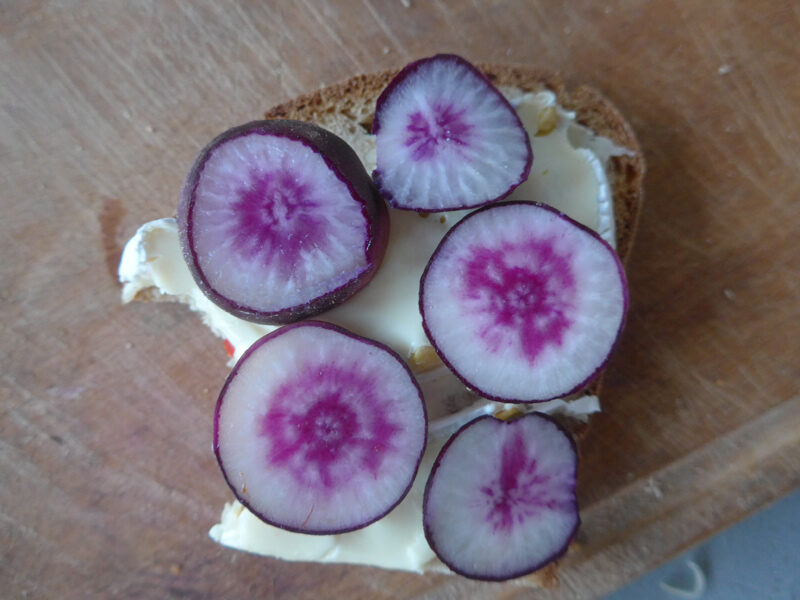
[[569, 173], [395, 542]]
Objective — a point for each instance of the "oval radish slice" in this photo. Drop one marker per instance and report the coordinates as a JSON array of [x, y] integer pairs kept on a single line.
[[318, 430], [523, 303], [279, 221], [446, 138], [500, 501]]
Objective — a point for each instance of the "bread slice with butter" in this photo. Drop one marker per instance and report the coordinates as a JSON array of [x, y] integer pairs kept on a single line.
[[587, 163], [347, 109]]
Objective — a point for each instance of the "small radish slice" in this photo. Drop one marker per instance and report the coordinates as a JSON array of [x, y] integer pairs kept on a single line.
[[523, 303], [446, 138], [500, 501], [279, 221], [318, 430]]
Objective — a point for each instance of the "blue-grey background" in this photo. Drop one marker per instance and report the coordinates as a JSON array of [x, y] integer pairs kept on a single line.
[[756, 559]]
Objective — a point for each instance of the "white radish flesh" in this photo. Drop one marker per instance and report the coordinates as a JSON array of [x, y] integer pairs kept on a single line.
[[500, 501], [318, 430], [446, 138], [280, 221], [522, 303]]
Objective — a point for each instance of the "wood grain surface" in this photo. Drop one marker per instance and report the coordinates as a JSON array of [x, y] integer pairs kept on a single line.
[[107, 482]]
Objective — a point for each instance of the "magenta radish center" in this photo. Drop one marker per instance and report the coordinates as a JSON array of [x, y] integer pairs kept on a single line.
[[523, 304], [501, 501], [318, 430], [286, 228], [320, 438], [274, 220], [445, 125], [520, 491], [524, 294]]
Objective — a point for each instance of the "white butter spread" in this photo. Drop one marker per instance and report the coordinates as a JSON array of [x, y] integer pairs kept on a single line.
[[395, 542], [568, 173]]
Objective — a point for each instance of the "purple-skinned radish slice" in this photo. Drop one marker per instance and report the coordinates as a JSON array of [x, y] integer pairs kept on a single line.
[[446, 138], [523, 303], [279, 221], [318, 430], [500, 500]]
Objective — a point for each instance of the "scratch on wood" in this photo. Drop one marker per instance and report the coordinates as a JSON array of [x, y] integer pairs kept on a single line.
[[772, 135], [281, 70], [541, 27], [671, 355], [451, 23], [67, 81], [760, 89], [384, 27], [21, 390], [333, 35], [34, 536]]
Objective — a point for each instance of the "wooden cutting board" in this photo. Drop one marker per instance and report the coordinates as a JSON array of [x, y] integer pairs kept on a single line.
[[107, 482]]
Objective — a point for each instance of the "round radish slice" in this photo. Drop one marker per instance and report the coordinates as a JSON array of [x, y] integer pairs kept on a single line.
[[318, 430], [500, 501], [523, 303], [446, 138], [279, 221]]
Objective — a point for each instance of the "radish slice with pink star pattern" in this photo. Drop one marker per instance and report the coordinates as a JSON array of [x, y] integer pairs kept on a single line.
[[279, 221], [446, 138], [500, 500], [523, 303], [318, 430]]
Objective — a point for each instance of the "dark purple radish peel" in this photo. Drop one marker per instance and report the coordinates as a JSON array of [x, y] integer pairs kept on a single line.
[[522, 303], [446, 138], [279, 221], [500, 500], [318, 430]]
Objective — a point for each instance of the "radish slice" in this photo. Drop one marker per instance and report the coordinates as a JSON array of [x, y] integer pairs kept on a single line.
[[279, 221], [500, 501], [446, 138], [523, 303], [318, 430]]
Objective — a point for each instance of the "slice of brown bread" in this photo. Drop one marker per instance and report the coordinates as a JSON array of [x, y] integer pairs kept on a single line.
[[347, 108], [350, 105]]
